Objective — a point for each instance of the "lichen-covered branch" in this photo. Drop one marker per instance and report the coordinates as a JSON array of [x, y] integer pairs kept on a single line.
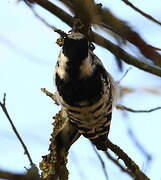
[[53, 165], [63, 136]]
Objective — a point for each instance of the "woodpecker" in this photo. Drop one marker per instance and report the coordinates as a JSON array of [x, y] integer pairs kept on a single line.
[[85, 89]]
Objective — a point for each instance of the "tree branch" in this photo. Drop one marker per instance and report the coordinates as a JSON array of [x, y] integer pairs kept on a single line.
[[64, 134], [122, 107], [60, 119], [126, 57], [103, 16], [51, 95], [3, 106], [13, 176], [131, 165], [101, 161], [62, 33], [141, 12], [119, 165], [101, 41], [139, 146], [118, 106]]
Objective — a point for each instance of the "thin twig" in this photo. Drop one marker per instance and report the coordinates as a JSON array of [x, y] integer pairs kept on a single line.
[[118, 106], [156, 48], [20, 50], [101, 161], [131, 165], [3, 106], [122, 107], [51, 95], [124, 75], [36, 14], [140, 147], [60, 32], [116, 161], [141, 12]]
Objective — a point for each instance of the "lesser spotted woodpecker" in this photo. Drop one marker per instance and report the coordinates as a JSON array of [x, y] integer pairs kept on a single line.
[[85, 89]]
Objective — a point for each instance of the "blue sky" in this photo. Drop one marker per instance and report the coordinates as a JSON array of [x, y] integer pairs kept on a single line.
[[27, 59]]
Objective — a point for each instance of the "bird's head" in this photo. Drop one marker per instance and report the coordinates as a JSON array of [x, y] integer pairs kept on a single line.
[[75, 45]]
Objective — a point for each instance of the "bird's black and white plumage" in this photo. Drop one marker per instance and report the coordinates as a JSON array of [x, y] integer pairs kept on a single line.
[[84, 89]]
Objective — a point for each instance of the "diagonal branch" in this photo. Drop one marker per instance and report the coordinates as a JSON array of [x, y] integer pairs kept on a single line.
[[103, 16], [118, 164], [133, 169], [131, 165], [141, 12], [51, 95], [140, 147], [126, 57], [101, 41], [3, 106], [101, 161], [62, 33]]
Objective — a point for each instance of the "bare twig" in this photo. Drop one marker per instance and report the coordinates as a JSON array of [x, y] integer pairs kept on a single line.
[[116, 161], [118, 106], [3, 106], [124, 90], [20, 50], [51, 95], [62, 33], [131, 165], [101, 161], [122, 107], [36, 14], [51, 7], [139, 146], [124, 75], [141, 12]]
